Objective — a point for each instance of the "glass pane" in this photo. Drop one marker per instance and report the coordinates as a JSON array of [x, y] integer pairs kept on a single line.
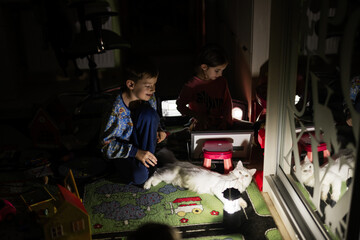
[[323, 111]]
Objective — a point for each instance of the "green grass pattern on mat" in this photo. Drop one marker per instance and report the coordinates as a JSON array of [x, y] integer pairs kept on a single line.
[[258, 200], [157, 206], [273, 234], [223, 237], [306, 195]]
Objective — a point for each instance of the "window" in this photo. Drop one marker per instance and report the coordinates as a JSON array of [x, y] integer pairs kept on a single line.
[[57, 231], [169, 108], [78, 225], [313, 135]]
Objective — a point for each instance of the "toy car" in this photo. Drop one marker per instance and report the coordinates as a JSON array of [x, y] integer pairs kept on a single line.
[[7, 210]]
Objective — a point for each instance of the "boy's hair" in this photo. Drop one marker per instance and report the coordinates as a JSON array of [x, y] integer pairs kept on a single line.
[[139, 67], [212, 55], [150, 230]]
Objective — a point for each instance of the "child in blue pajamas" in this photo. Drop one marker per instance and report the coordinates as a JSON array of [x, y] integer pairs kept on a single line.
[[132, 128]]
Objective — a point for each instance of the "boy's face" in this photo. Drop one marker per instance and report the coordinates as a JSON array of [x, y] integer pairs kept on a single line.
[[213, 73], [144, 88]]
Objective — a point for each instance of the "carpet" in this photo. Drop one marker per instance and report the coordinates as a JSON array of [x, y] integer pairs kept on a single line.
[[117, 209]]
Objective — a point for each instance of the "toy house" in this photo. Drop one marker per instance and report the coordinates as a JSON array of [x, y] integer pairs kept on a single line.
[[71, 220], [61, 218]]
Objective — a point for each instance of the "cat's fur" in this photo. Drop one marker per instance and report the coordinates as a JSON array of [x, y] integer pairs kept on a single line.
[[334, 177], [199, 179]]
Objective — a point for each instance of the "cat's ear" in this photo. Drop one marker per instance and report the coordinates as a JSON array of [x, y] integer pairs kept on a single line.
[[307, 160], [239, 165], [252, 171]]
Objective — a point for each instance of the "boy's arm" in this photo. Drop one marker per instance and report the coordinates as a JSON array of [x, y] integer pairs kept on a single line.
[[161, 135], [119, 149], [114, 137]]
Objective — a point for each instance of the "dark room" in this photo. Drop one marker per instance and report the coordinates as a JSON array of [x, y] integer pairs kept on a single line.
[[147, 119]]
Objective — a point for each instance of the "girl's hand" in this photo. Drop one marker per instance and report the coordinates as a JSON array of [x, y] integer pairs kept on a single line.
[[223, 125], [161, 135], [146, 157], [202, 122]]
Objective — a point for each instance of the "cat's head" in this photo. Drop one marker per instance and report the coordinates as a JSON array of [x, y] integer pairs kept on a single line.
[[307, 169], [243, 174]]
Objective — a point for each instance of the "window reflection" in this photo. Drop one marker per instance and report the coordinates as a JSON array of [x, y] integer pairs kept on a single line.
[[323, 152]]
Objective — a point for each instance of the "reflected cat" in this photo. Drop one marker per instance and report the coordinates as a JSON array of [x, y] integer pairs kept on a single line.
[[335, 174]]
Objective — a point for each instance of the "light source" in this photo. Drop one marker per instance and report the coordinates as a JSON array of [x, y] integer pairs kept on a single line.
[[233, 216], [237, 113], [239, 110]]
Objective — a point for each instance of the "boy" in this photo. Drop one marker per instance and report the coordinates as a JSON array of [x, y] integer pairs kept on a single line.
[[131, 131]]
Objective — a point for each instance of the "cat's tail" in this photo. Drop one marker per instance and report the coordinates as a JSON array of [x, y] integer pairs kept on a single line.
[[165, 156]]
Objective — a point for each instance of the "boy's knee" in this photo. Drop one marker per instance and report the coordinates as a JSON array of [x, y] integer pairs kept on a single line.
[[140, 173], [140, 179], [149, 114]]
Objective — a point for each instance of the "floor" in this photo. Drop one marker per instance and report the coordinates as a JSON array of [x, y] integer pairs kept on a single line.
[[17, 142]]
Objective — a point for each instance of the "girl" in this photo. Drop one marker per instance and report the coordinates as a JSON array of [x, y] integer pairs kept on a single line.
[[206, 96]]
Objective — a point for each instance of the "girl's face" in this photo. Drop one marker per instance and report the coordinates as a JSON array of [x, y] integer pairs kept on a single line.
[[144, 88], [212, 73]]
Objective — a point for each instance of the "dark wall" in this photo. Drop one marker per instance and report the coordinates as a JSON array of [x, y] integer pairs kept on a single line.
[[170, 31]]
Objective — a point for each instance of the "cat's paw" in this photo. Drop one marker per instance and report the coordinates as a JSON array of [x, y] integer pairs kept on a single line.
[[242, 203], [324, 196], [147, 184], [335, 197]]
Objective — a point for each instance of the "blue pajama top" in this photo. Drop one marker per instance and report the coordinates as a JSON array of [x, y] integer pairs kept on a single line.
[[115, 139]]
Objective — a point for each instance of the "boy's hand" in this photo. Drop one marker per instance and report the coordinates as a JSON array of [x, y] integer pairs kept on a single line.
[[146, 157], [161, 135]]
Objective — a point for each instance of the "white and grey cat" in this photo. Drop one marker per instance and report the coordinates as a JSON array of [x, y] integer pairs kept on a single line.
[[335, 175], [199, 179]]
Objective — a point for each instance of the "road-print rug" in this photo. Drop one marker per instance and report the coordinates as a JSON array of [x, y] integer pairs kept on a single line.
[[116, 210]]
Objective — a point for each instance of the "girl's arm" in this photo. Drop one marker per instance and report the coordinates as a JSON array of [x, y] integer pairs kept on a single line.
[[228, 105], [185, 97]]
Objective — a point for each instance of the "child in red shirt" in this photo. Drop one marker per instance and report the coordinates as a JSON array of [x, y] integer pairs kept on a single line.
[[206, 96]]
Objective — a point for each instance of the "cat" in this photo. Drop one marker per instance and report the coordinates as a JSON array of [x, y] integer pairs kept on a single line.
[[200, 179], [334, 177]]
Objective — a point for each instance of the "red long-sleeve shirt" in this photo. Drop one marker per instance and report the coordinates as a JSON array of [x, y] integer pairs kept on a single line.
[[210, 98]]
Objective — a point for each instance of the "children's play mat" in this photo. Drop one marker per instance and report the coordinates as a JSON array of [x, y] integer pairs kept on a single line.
[[117, 209]]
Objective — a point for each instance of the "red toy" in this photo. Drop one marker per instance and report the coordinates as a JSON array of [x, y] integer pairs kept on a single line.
[[305, 145], [258, 176], [7, 210]]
